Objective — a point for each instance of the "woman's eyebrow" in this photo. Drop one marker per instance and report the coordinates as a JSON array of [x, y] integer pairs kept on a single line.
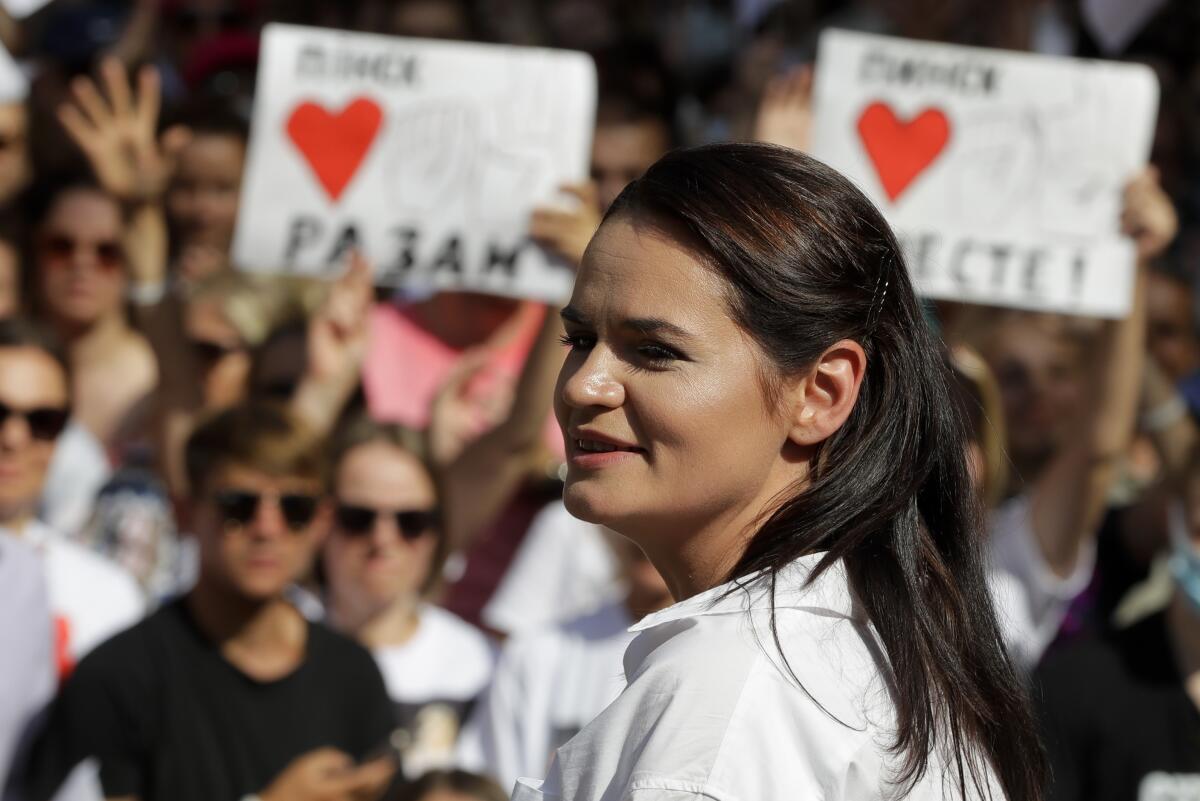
[[656, 325], [572, 315]]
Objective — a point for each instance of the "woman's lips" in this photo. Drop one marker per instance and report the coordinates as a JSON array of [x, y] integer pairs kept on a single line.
[[592, 450]]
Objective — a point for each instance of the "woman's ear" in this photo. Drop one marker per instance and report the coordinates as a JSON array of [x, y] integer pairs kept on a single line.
[[821, 401]]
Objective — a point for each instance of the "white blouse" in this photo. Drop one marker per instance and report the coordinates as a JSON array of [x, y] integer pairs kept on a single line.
[[711, 712]]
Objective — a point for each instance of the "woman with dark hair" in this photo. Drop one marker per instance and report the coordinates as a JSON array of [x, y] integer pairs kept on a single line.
[[753, 397]]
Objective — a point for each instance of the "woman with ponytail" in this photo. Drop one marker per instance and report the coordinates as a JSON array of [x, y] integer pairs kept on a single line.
[[753, 397]]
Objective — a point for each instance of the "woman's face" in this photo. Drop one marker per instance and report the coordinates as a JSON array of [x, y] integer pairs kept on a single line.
[[80, 262], [373, 568], [659, 371], [1041, 383]]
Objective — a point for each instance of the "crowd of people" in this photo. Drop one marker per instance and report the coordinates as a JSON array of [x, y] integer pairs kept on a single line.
[[264, 536]]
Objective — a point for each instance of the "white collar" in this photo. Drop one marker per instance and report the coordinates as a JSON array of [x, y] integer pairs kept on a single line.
[[829, 594]]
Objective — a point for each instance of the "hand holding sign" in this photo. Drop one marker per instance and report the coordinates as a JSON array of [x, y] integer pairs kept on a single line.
[[567, 232], [118, 135], [1148, 216]]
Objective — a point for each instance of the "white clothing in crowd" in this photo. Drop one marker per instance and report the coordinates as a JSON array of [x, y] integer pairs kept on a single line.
[[1031, 600], [435, 680], [563, 569], [548, 685], [77, 471], [710, 712], [26, 649], [91, 599]]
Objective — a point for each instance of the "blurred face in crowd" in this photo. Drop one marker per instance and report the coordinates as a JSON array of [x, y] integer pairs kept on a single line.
[[15, 166], [1037, 366], [622, 151], [661, 398], [10, 280], [1171, 329], [203, 199], [258, 533], [431, 19], [383, 541], [464, 319], [33, 404], [220, 352], [80, 261]]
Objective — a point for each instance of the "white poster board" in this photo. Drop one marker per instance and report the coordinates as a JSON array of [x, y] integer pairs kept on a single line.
[[429, 156], [1001, 172]]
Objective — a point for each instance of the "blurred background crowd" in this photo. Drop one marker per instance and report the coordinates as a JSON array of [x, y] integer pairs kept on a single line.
[[396, 455]]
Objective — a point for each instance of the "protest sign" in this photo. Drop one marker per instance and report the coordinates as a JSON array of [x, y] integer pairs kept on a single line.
[[429, 156], [1001, 172], [19, 9]]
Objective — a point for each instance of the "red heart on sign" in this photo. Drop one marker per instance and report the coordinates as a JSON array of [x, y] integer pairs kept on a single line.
[[334, 145], [899, 150]]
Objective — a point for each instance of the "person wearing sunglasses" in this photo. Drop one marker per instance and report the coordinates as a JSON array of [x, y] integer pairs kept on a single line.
[[79, 263], [383, 558], [230, 692], [90, 598]]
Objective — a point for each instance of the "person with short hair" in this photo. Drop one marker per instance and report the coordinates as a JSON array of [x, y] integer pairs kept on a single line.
[[229, 691]]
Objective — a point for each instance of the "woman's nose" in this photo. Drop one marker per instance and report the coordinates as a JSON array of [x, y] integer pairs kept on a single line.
[[592, 383]]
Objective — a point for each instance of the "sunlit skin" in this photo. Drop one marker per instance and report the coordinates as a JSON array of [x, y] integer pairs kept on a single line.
[[256, 561], [378, 578], [203, 198], [78, 289], [659, 368], [29, 379]]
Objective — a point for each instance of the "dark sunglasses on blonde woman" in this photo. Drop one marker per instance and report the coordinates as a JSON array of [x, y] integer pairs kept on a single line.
[[240, 506], [59, 248], [359, 521], [45, 422]]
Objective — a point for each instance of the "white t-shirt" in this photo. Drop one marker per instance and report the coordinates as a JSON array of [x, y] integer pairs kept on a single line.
[[78, 469], [1031, 600], [26, 648], [564, 568], [434, 680], [549, 684], [710, 713], [91, 598]]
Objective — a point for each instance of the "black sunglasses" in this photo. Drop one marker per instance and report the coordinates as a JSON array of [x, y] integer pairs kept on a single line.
[[45, 422], [240, 507], [358, 521]]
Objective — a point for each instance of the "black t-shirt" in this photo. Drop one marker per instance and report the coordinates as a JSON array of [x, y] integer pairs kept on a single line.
[[169, 718], [1116, 719]]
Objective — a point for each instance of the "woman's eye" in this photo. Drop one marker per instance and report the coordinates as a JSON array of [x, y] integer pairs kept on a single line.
[[657, 353], [577, 341]]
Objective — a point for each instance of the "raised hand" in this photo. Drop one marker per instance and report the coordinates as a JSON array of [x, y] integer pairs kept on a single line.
[[1148, 216], [337, 333], [567, 232], [785, 111], [327, 774], [117, 131]]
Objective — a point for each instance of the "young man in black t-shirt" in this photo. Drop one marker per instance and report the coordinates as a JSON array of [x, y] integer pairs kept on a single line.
[[229, 692], [1121, 713]]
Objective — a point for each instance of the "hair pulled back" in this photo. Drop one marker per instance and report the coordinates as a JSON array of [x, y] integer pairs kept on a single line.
[[809, 261]]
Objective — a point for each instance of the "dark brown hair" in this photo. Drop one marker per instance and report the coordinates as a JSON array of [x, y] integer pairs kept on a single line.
[[260, 436], [809, 261]]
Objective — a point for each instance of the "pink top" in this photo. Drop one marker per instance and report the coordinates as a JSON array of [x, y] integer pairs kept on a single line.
[[406, 366]]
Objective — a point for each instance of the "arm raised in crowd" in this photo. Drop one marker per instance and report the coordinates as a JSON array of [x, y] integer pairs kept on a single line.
[[482, 478], [1070, 495]]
